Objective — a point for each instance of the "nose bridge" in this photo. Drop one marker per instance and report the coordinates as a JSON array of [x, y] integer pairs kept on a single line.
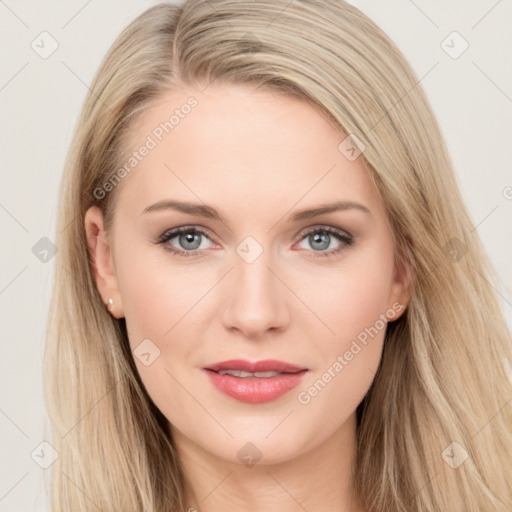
[[256, 299]]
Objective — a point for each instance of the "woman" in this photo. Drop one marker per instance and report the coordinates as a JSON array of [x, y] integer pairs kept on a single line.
[[269, 292]]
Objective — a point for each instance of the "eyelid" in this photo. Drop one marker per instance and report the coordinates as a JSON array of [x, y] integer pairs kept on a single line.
[[205, 231], [326, 227], [180, 229]]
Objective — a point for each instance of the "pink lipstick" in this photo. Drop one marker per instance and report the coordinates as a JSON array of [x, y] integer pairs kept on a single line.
[[258, 382]]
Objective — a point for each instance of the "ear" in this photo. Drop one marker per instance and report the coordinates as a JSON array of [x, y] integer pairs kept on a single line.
[[401, 288], [102, 260]]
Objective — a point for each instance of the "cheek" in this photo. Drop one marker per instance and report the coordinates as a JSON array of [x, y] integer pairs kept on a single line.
[[350, 299], [156, 298], [163, 303], [351, 303], [157, 292]]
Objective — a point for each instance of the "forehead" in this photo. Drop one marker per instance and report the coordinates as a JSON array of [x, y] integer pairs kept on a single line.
[[253, 118], [233, 143]]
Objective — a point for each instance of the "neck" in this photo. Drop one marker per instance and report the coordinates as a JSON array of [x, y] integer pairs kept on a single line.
[[316, 480]]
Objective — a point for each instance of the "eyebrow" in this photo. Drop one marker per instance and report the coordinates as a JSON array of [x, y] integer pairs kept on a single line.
[[209, 212]]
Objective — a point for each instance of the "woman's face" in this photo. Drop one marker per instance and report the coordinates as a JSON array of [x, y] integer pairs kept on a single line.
[[254, 276]]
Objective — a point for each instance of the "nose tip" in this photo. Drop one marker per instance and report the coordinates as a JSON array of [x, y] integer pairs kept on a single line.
[[256, 302]]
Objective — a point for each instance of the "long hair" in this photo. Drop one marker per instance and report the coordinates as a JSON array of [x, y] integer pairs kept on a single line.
[[434, 430]]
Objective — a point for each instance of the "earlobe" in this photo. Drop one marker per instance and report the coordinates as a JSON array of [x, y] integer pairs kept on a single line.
[[101, 256]]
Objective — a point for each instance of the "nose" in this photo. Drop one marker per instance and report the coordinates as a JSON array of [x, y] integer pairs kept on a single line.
[[256, 299]]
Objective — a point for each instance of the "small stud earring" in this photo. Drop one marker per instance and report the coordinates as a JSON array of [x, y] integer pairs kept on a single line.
[[110, 302]]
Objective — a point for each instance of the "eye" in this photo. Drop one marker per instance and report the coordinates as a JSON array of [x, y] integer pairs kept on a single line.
[[188, 239], [320, 238]]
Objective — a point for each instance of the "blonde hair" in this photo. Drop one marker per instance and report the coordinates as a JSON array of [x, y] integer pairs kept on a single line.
[[442, 377]]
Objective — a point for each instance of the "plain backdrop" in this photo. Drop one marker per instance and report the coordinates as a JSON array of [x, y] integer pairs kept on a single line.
[[40, 99]]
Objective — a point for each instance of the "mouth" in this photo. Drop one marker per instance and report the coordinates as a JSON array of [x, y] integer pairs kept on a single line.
[[257, 382], [260, 369], [259, 375]]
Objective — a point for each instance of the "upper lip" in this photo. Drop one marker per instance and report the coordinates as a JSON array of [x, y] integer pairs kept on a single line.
[[267, 365]]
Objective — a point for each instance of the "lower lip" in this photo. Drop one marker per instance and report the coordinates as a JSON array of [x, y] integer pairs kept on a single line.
[[255, 390]]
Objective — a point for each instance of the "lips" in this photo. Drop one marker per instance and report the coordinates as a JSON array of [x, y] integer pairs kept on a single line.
[[255, 383], [267, 365]]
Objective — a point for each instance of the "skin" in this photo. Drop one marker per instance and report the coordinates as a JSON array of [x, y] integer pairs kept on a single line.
[[256, 157]]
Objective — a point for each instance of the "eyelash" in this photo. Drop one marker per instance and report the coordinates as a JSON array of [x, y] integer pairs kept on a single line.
[[343, 237]]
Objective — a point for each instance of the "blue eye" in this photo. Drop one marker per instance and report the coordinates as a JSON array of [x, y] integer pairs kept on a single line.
[[320, 238], [187, 237], [191, 239]]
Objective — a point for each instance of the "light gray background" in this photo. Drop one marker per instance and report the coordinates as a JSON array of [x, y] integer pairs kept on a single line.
[[39, 103]]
